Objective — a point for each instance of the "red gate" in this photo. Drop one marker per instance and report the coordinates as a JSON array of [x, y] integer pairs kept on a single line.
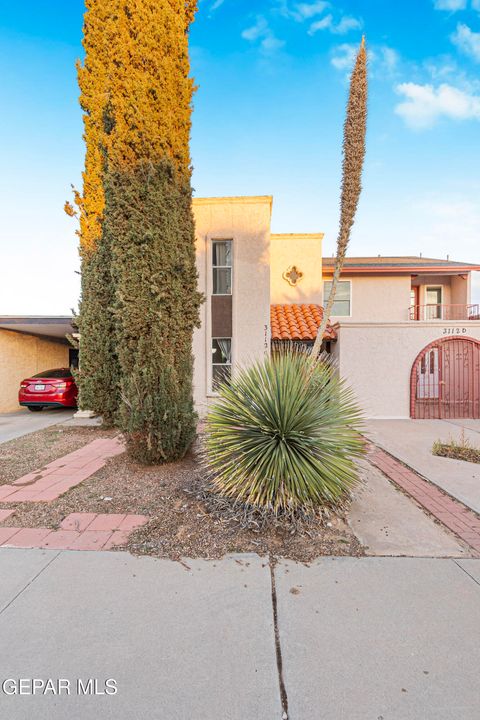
[[445, 380]]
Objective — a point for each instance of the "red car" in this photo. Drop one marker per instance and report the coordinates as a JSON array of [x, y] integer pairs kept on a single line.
[[51, 388]]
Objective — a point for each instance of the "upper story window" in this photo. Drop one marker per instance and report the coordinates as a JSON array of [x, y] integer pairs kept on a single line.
[[342, 304], [222, 267]]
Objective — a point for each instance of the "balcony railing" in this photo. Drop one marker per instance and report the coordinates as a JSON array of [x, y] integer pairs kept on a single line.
[[444, 312]]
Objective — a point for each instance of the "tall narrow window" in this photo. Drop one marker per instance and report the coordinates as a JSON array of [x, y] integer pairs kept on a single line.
[[221, 361], [342, 303], [222, 267]]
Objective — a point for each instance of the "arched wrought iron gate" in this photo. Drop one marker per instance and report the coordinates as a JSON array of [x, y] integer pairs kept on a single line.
[[445, 380]]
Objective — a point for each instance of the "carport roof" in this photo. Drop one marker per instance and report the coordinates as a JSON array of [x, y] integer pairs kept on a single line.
[[53, 326]]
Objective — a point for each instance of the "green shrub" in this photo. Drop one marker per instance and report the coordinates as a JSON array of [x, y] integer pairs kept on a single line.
[[149, 224], [284, 434], [98, 374]]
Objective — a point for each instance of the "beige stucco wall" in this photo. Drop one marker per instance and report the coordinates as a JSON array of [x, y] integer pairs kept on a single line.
[[378, 298], [246, 221], [460, 289], [376, 360], [305, 253], [23, 355]]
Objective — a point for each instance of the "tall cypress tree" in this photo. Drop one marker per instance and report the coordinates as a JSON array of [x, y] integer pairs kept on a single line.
[[98, 377], [149, 226], [148, 220], [139, 297]]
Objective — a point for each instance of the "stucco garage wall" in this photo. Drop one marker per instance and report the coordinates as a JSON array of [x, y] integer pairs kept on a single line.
[[22, 355], [376, 360]]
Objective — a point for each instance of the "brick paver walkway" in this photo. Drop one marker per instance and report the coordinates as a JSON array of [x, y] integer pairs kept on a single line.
[[60, 475], [78, 531], [457, 517]]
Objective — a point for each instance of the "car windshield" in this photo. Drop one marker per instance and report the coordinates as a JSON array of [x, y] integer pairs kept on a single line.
[[57, 373]]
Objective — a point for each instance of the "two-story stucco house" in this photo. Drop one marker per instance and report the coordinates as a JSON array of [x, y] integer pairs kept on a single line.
[[408, 337], [403, 331]]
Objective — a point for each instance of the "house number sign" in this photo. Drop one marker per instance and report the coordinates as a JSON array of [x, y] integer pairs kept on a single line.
[[455, 331]]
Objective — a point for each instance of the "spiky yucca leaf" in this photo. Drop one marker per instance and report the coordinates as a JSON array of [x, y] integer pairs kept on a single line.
[[284, 436]]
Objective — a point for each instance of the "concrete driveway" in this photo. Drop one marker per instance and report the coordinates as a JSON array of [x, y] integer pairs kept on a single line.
[[23, 422], [411, 442], [351, 638]]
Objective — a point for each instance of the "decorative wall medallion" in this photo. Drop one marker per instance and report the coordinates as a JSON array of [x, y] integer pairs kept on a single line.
[[293, 275]]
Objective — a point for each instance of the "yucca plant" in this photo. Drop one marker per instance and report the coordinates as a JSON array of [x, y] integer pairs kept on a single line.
[[284, 436]]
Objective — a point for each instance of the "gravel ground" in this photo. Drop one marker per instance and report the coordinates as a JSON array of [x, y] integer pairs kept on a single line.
[[182, 523], [32, 452]]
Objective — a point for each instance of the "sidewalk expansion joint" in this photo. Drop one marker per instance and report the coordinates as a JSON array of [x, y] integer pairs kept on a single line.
[[20, 592], [278, 648], [466, 572]]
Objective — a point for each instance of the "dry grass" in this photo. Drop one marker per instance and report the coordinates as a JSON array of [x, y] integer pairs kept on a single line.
[[186, 521], [461, 450]]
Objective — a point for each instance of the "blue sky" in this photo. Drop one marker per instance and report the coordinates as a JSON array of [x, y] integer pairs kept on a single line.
[[273, 80]]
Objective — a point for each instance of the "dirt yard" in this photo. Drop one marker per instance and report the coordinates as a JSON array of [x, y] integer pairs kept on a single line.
[[183, 522]]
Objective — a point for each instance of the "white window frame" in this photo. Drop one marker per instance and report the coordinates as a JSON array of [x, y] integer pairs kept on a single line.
[[212, 364], [221, 267], [351, 297]]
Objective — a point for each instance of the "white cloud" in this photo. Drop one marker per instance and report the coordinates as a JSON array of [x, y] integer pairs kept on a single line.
[[302, 11], [305, 11], [381, 58], [216, 5], [476, 4], [344, 56], [424, 104], [323, 24], [256, 31], [452, 5], [270, 44], [389, 57], [344, 26], [467, 41], [262, 31]]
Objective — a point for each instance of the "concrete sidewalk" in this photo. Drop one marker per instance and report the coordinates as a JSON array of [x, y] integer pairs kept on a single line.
[[411, 442], [359, 638], [23, 422], [387, 522]]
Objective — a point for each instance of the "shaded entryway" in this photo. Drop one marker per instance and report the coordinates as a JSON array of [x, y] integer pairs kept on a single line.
[[445, 380]]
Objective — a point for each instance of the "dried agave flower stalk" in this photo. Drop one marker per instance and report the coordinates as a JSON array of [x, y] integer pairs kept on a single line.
[[353, 156]]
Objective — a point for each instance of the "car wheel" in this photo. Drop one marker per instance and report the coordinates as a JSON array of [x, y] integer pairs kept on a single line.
[[35, 408]]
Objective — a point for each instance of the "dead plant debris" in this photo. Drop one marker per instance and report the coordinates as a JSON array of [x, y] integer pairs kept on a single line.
[[187, 521]]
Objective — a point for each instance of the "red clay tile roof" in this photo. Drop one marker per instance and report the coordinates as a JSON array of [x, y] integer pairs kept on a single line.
[[298, 322]]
